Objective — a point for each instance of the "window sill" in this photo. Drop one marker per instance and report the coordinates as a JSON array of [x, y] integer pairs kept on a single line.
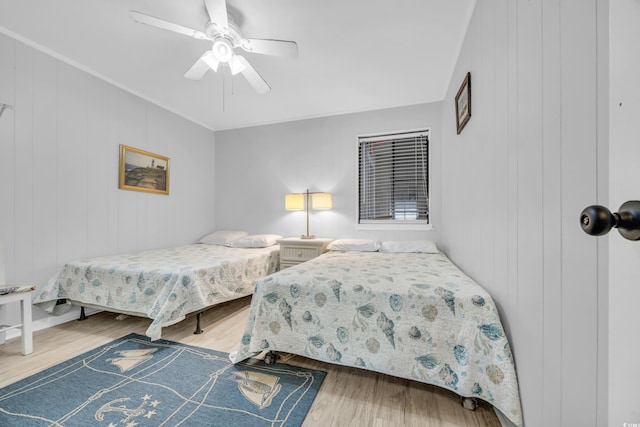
[[395, 227]]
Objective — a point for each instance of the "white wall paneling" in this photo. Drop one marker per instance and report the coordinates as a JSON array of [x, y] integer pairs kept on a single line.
[[257, 166], [551, 206], [603, 24], [59, 157], [579, 183], [514, 183], [6, 168], [45, 169]]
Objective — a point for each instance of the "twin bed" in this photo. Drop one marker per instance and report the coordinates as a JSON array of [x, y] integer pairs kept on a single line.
[[166, 284], [412, 315]]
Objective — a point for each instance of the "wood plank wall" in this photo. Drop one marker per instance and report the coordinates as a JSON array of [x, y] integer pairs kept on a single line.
[[514, 183]]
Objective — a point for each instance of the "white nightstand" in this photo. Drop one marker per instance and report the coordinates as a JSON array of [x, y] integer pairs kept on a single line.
[[294, 250], [24, 298]]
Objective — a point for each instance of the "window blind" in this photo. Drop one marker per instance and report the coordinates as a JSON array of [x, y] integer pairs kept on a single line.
[[394, 178]]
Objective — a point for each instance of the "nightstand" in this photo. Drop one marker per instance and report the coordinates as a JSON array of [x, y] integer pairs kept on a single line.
[[294, 250], [23, 296]]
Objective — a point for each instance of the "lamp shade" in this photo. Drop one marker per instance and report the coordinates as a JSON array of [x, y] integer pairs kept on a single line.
[[321, 201], [294, 202]]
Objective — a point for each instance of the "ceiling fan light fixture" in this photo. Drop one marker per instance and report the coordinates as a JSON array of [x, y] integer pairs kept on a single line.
[[210, 60], [237, 66], [222, 50]]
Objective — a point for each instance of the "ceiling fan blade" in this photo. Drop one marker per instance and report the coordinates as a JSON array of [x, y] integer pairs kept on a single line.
[[165, 25], [217, 10], [271, 47], [250, 74], [202, 65], [237, 65]]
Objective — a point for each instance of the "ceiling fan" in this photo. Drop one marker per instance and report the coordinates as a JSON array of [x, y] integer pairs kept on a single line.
[[224, 33]]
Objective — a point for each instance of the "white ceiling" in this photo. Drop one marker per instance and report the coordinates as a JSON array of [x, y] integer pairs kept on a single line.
[[354, 55]]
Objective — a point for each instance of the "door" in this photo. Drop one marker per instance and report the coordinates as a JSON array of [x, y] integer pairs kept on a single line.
[[624, 184]]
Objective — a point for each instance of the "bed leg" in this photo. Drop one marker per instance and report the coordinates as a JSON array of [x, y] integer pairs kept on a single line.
[[82, 315], [270, 358], [470, 403], [198, 329]]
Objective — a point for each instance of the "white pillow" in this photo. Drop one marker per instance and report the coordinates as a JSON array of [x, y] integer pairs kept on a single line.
[[361, 245], [424, 246], [255, 241], [222, 237]]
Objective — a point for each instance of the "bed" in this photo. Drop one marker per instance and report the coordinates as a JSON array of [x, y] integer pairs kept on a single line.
[[164, 285], [410, 315]]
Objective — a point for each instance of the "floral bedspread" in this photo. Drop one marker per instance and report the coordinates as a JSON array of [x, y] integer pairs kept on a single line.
[[411, 315], [164, 284]]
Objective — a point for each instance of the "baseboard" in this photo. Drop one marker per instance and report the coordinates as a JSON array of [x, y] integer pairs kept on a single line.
[[49, 321]]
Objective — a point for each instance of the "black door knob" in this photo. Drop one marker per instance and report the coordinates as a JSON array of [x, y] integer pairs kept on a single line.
[[598, 220]]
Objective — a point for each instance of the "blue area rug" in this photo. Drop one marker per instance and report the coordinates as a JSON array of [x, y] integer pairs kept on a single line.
[[133, 382]]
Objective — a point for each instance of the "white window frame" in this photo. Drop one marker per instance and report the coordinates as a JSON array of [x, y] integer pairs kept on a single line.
[[408, 225]]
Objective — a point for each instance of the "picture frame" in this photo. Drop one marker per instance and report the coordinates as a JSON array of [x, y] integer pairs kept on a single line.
[[463, 103], [143, 171]]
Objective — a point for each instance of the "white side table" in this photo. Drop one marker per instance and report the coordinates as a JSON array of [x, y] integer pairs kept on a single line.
[[294, 250], [24, 297]]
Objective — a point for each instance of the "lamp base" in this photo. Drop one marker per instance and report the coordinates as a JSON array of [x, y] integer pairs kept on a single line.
[[307, 236]]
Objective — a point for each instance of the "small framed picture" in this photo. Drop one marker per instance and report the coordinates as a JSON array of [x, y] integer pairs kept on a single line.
[[143, 171], [463, 103]]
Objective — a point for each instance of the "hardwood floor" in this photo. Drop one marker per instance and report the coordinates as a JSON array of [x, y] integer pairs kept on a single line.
[[348, 396]]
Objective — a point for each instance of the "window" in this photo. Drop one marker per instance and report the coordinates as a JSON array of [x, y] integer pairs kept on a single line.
[[393, 178]]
